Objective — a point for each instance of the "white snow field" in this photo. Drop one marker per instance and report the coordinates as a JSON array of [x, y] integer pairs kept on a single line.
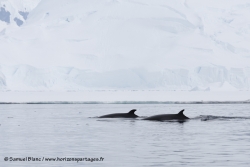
[[162, 45]]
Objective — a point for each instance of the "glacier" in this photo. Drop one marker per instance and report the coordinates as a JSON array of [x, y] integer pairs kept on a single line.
[[78, 45], [205, 78]]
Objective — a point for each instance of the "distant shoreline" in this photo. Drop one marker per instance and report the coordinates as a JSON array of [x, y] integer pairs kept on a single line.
[[132, 102]]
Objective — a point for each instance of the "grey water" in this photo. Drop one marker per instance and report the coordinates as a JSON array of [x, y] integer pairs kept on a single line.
[[216, 135]]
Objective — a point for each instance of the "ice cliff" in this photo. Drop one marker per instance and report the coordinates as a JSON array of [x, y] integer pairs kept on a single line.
[[124, 44]]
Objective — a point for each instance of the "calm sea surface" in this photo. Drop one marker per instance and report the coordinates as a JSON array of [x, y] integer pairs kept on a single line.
[[217, 135]]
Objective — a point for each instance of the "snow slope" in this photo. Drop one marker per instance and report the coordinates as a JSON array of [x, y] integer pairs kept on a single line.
[[125, 44]]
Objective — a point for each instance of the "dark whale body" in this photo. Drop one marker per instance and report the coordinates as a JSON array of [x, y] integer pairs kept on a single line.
[[130, 114], [163, 117]]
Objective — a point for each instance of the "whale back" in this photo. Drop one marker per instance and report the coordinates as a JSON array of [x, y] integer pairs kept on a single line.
[[130, 114], [162, 117]]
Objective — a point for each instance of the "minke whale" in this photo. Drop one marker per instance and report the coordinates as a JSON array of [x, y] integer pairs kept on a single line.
[[163, 117], [130, 114]]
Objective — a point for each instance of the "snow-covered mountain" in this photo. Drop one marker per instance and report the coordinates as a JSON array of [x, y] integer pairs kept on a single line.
[[124, 44]]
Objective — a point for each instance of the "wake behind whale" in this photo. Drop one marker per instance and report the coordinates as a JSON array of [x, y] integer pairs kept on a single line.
[[213, 117]]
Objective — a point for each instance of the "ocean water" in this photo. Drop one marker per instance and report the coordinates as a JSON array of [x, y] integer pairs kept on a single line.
[[52, 134]]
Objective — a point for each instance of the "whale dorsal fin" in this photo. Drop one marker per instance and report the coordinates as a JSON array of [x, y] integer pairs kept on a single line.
[[132, 111], [181, 112]]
